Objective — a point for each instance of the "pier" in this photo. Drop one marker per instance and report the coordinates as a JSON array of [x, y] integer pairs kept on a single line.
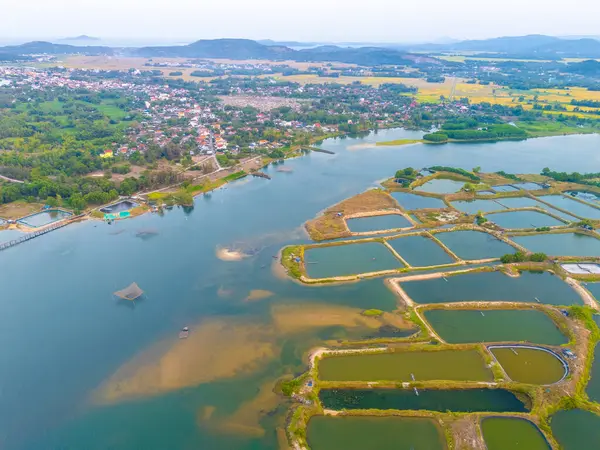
[[34, 234]]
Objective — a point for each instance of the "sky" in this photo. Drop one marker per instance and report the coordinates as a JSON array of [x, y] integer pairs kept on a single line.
[[305, 20]]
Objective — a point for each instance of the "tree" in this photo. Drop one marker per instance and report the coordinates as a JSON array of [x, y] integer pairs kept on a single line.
[[477, 169]]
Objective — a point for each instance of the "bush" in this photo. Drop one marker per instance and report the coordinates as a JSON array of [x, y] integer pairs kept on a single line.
[[538, 257], [372, 312], [462, 172], [436, 137]]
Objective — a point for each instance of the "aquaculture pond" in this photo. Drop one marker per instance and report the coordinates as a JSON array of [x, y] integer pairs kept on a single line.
[[504, 188], [472, 245], [529, 365], [92, 377], [456, 365], [587, 196], [457, 400], [593, 387], [560, 244], [412, 202], [528, 186], [594, 288], [572, 206], [524, 219], [44, 218], [420, 251], [350, 259], [378, 223], [497, 325], [475, 206], [374, 433], [511, 433], [528, 202], [441, 186], [493, 287], [576, 429], [124, 205]]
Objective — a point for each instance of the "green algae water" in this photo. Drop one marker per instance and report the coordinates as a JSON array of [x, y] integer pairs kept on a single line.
[[349, 259], [563, 244], [507, 433], [465, 400], [456, 365], [528, 365], [493, 287], [419, 251], [469, 326], [374, 433], [412, 202], [524, 219], [377, 223], [474, 244], [576, 429], [82, 369]]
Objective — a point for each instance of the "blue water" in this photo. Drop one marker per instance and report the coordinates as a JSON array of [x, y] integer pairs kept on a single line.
[[44, 218], [67, 335], [414, 201], [471, 245], [572, 206], [441, 186]]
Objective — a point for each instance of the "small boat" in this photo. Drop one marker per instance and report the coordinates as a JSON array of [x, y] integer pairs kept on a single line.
[[184, 333]]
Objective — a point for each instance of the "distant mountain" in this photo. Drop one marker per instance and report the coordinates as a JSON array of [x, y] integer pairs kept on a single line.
[[39, 47], [82, 38]]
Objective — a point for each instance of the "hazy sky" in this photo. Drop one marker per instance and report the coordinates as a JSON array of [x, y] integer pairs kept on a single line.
[[330, 20]]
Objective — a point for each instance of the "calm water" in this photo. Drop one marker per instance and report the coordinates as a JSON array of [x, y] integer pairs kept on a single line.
[[468, 400], [471, 245], [475, 206], [528, 186], [466, 326], [527, 365], [377, 223], [420, 251], [576, 429], [593, 387], [323, 262], [523, 219], [414, 201], [565, 244], [504, 188], [71, 343], [44, 218], [594, 288], [457, 365], [587, 196], [493, 287], [441, 186], [374, 433], [577, 208], [506, 433]]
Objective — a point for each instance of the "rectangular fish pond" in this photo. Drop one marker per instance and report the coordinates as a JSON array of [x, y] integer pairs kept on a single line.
[[378, 223], [349, 259], [424, 365], [593, 387], [124, 205], [582, 268], [411, 202], [472, 245], [524, 219], [528, 186], [572, 206], [496, 325], [505, 188], [576, 429], [456, 400], [560, 244], [441, 186], [512, 433], [477, 205], [44, 218], [420, 251], [586, 196], [530, 365], [374, 433], [528, 202], [493, 287]]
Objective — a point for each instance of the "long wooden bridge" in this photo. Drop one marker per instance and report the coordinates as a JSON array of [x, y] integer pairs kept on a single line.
[[34, 234]]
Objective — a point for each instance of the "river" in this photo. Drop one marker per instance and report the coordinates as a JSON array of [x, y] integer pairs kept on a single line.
[[79, 369]]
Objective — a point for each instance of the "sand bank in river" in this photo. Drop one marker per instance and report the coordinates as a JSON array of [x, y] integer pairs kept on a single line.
[[225, 254], [258, 294]]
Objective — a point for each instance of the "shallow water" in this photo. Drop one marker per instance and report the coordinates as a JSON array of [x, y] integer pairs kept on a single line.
[[472, 245], [441, 186], [467, 400], [531, 366], [374, 433], [564, 244], [469, 326], [460, 365], [378, 223], [78, 337], [576, 429], [506, 433], [493, 287], [523, 219], [573, 206], [411, 202], [420, 251], [350, 259]]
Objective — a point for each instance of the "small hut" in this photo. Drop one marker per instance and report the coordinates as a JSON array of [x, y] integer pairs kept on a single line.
[[131, 292]]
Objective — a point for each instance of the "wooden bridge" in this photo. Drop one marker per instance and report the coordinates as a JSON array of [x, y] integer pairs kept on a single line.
[[34, 234]]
